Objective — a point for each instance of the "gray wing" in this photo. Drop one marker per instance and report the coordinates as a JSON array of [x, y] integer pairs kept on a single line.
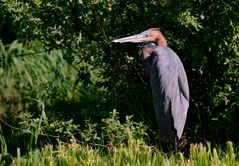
[[170, 91], [183, 82]]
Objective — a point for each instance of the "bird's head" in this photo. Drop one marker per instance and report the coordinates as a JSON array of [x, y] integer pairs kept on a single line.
[[151, 35]]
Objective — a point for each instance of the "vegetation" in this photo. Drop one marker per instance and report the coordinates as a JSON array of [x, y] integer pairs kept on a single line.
[[68, 95]]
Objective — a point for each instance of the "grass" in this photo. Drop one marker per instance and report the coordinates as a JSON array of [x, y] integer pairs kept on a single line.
[[136, 153], [34, 72]]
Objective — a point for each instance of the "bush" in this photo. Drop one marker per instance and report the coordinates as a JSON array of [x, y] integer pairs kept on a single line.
[[206, 41]]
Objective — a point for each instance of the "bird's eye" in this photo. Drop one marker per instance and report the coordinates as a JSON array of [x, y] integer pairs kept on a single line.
[[148, 34]]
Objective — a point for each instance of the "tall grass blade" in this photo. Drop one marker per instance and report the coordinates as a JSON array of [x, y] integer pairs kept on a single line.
[[2, 141], [18, 162], [36, 158]]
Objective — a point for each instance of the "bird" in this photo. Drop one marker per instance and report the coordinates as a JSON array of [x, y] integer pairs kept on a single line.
[[168, 80]]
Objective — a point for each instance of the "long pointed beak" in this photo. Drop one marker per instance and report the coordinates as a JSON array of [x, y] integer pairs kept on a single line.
[[139, 38]]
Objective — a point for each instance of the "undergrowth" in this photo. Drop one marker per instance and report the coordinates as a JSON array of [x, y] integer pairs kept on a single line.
[[116, 144], [53, 114]]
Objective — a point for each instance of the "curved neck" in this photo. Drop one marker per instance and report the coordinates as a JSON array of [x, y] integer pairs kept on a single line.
[[161, 42]]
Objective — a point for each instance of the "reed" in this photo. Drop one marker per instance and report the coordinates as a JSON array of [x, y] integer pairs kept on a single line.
[[136, 153]]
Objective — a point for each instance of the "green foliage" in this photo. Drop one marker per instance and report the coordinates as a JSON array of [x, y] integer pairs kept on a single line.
[[30, 76], [202, 155], [34, 128], [103, 76], [116, 133], [113, 133], [34, 132], [89, 134], [137, 153], [64, 130], [132, 151], [3, 142]]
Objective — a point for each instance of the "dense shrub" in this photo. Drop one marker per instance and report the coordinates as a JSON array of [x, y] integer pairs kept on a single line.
[[204, 34]]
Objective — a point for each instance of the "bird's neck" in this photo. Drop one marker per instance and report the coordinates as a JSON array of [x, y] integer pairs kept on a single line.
[[161, 42]]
